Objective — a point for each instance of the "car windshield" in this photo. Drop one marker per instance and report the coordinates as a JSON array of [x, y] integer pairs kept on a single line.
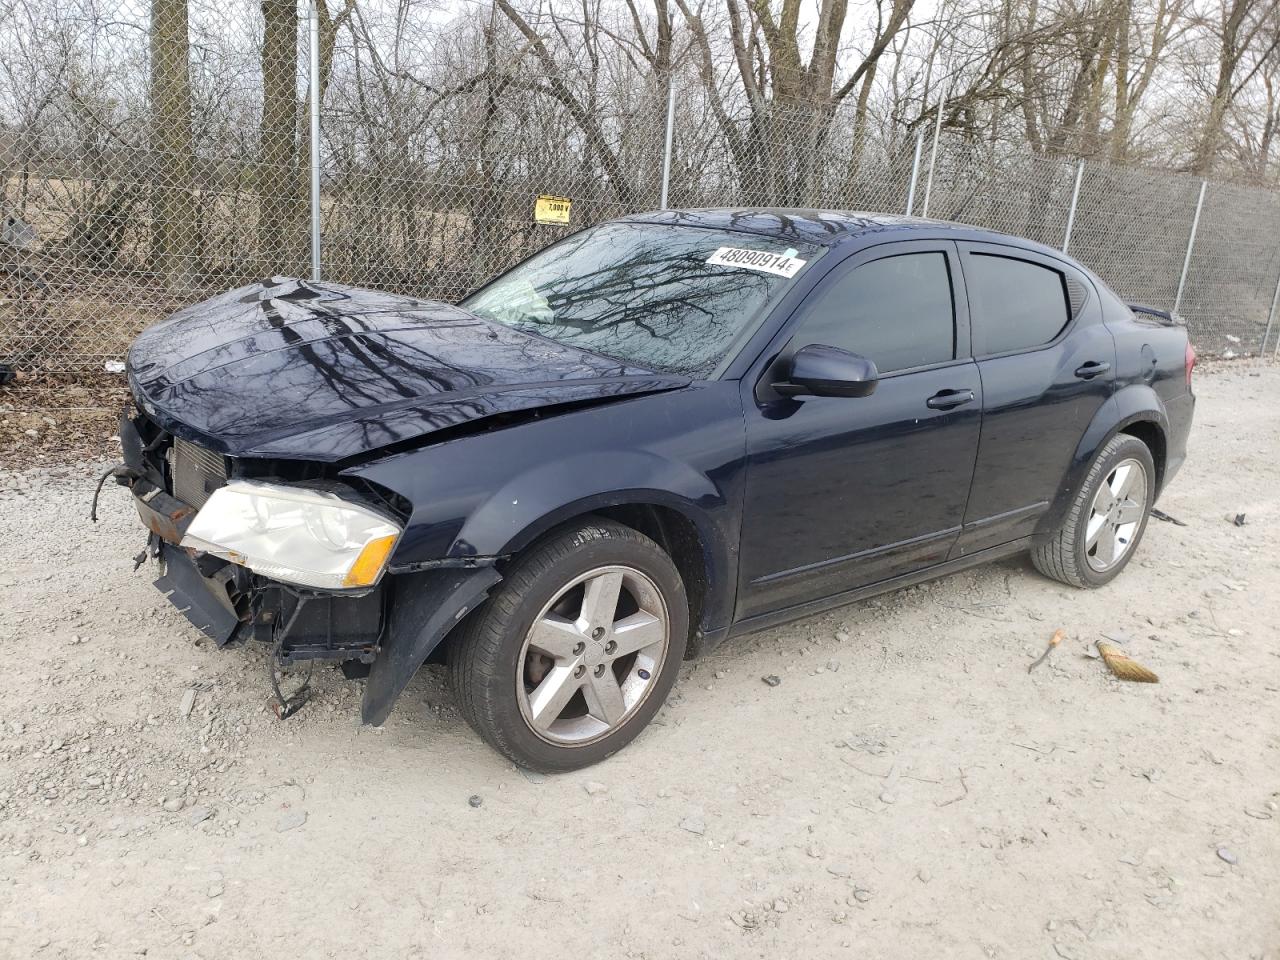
[[668, 298]]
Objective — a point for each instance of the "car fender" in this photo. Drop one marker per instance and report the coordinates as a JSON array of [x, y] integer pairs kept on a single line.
[[478, 499], [428, 605], [538, 500], [1131, 404], [528, 505]]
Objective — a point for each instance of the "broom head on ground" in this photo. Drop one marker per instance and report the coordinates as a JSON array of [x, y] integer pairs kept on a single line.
[[1122, 666]]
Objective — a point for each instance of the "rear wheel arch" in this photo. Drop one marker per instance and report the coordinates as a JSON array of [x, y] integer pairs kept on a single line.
[[1152, 433], [1065, 554], [1135, 410]]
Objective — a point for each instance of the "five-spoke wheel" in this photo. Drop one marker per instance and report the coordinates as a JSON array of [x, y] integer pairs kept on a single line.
[[1118, 507], [1106, 518], [592, 654], [576, 649]]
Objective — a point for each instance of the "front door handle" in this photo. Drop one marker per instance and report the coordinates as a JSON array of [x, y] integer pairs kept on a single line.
[[1092, 369], [946, 399]]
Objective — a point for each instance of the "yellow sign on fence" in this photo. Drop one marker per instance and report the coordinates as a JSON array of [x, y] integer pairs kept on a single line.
[[548, 209]]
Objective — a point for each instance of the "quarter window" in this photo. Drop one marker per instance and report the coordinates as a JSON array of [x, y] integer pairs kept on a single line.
[[1019, 304], [897, 312]]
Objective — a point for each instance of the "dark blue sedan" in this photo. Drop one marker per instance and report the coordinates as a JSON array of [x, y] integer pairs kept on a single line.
[[659, 433]]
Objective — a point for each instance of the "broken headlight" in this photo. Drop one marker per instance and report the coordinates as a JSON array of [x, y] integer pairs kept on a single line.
[[298, 535]]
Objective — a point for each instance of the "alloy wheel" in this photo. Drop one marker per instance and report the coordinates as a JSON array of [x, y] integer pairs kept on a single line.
[[1115, 515], [592, 655]]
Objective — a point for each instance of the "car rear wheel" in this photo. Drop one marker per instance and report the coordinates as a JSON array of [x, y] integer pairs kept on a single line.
[[1106, 521], [576, 649]]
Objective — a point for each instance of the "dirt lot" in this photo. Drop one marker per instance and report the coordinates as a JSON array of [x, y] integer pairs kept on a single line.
[[908, 790]]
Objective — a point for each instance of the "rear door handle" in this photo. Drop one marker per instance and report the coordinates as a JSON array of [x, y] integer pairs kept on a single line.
[[946, 399], [1092, 369]]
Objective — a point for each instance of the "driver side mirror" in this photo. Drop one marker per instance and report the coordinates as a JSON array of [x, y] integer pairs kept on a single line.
[[822, 371]]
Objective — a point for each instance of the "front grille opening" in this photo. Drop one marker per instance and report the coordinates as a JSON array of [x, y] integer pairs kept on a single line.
[[197, 472]]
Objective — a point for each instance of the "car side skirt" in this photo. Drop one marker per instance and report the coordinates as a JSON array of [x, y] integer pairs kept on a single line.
[[775, 618]]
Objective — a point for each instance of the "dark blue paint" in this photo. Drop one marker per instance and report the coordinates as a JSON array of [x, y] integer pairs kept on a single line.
[[494, 436], [286, 369]]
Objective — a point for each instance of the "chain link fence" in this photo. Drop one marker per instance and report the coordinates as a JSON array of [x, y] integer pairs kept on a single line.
[[149, 160]]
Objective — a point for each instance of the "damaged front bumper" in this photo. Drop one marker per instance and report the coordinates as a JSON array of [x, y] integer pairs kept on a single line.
[[387, 631]]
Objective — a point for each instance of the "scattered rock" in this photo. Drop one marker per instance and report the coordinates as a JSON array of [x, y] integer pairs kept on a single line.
[[214, 891], [720, 674], [594, 788], [861, 895], [291, 821], [888, 797], [171, 804], [923, 875], [842, 636], [781, 906], [1227, 856], [199, 814], [693, 825], [188, 702], [772, 680], [475, 800]]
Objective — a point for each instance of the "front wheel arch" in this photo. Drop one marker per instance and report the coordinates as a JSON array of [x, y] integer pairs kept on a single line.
[[690, 549], [688, 536]]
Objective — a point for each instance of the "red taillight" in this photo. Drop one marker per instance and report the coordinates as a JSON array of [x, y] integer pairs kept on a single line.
[[1190, 362]]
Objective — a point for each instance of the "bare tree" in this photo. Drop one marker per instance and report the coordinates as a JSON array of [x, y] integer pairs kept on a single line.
[[277, 179], [172, 202], [1235, 31]]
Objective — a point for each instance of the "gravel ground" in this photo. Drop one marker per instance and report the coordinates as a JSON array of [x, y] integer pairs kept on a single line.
[[907, 790]]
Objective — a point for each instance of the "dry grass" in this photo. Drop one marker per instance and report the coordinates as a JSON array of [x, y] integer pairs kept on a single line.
[[52, 420]]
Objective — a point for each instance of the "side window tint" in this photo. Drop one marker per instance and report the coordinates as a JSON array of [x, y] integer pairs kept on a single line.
[[1019, 305], [896, 312]]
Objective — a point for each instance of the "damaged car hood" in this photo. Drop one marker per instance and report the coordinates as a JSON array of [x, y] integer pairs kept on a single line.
[[296, 370]]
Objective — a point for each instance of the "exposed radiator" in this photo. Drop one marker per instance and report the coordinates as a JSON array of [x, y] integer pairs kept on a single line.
[[197, 472]]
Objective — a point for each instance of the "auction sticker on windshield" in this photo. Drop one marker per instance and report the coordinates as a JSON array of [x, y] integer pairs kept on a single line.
[[780, 264]]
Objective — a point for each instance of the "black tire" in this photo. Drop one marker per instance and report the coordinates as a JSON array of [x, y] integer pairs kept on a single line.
[[1063, 555], [486, 658]]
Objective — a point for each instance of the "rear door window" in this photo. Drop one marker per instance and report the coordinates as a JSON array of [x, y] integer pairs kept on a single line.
[[1016, 304], [896, 311]]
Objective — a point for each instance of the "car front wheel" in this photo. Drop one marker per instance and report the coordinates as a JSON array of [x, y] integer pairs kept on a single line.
[[576, 649], [1106, 520]]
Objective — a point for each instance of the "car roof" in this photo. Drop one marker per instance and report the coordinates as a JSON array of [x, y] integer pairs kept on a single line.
[[824, 227]]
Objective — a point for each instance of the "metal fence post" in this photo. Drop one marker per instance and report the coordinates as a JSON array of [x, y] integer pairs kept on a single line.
[[1191, 243], [666, 153], [314, 16], [915, 171], [1071, 214], [933, 152], [1271, 316]]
